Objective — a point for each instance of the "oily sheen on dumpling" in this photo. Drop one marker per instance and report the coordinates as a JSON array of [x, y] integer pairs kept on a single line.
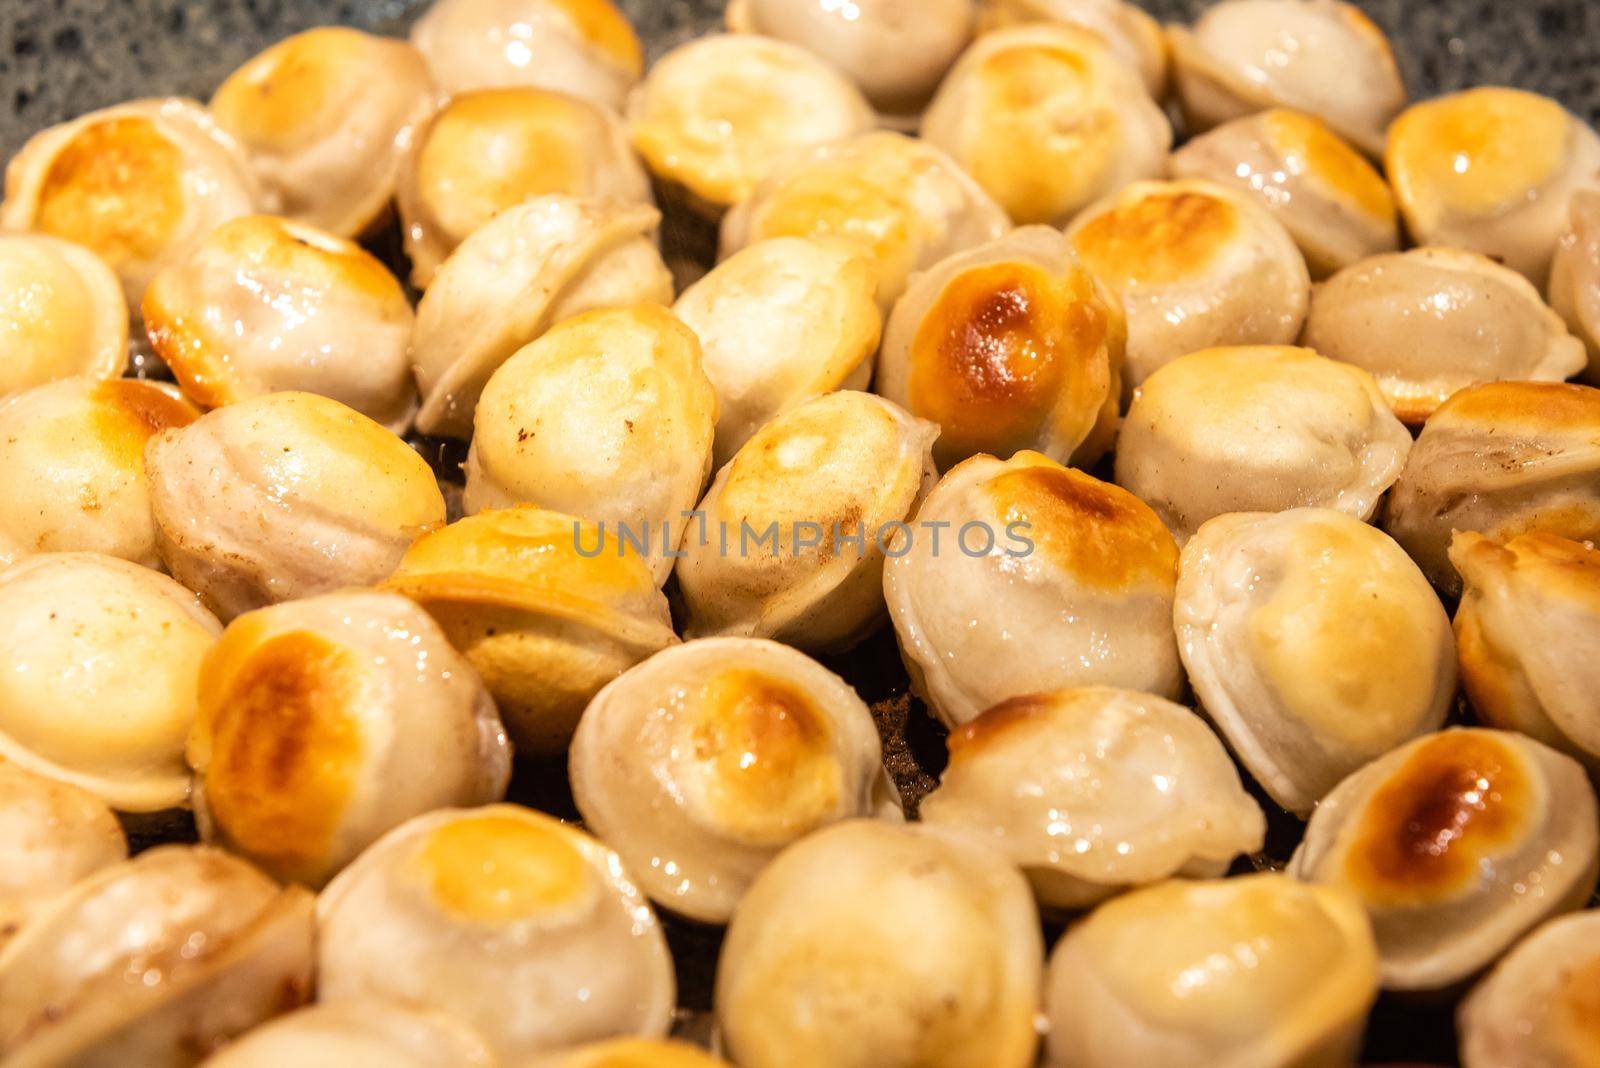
[[62, 313], [1133, 36], [1536, 1008], [359, 1033]]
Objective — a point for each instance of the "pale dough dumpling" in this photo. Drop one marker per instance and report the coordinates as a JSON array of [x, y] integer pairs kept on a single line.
[[1313, 642], [1432, 321], [1048, 119], [489, 150], [1195, 266], [1023, 576], [1537, 1008], [1010, 345], [1259, 970], [529, 930], [1332, 201], [325, 117], [1501, 459], [878, 945], [1575, 277], [72, 474], [1258, 428], [62, 313], [608, 416], [1456, 845], [703, 763], [1491, 170], [84, 635], [582, 47], [1095, 790], [1133, 36], [266, 304], [359, 1033], [781, 322], [716, 114], [285, 496]]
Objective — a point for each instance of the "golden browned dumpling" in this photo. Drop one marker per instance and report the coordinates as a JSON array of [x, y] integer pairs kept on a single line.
[[879, 945], [325, 117], [1048, 119], [72, 474], [609, 417], [1095, 790], [701, 764], [266, 304], [1322, 57], [1501, 459], [1010, 345], [1491, 170], [1456, 844], [1023, 576], [1537, 1008], [817, 486], [548, 608], [1313, 642], [156, 962], [636, 1053], [547, 259], [285, 496], [1432, 321], [102, 667], [326, 722], [359, 1033], [525, 928], [1333, 202], [906, 202], [1258, 429], [1259, 970], [1195, 266], [140, 184], [582, 47], [490, 150], [716, 114], [897, 51], [1575, 276], [1133, 36], [1527, 627], [62, 313]]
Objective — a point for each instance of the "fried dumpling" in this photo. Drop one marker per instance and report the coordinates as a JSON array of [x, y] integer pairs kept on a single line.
[[878, 945], [285, 496], [72, 474], [1258, 428], [634, 1053], [1313, 642], [548, 608], [1537, 1008], [906, 202], [1258, 970], [1322, 57], [582, 47], [1096, 790], [489, 150], [703, 763], [819, 486], [326, 117], [1491, 170], [1022, 576], [1332, 201], [85, 634], [1133, 36], [359, 1033], [1575, 277], [1501, 459], [1010, 345], [1527, 629], [140, 184], [1456, 844], [716, 114], [1432, 321], [62, 313], [156, 962], [781, 322], [266, 304], [608, 416], [897, 51], [530, 267], [1048, 119], [1195, 266], [326, 722], [527, 929]]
